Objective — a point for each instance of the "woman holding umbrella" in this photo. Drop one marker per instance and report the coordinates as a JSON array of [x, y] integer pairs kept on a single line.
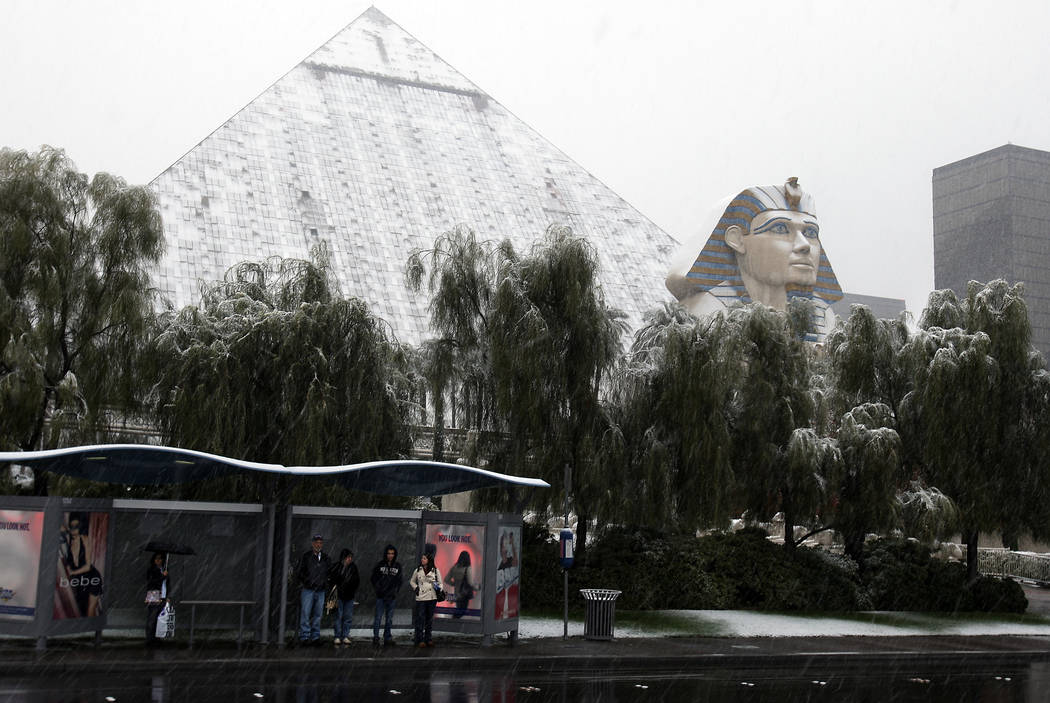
[[158, 589]]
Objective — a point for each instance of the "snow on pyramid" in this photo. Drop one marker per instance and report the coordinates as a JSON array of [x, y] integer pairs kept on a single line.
[[374, 146]]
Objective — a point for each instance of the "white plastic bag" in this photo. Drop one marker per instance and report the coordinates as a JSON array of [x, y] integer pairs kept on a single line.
[[166, 622]]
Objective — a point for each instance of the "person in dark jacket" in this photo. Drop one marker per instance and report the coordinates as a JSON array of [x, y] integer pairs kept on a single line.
[[346, 580], [158, 592], [387, 577], [461, 578], [314, 570]]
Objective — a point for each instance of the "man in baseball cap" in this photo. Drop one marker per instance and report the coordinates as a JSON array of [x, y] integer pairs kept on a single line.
[[313, 571]]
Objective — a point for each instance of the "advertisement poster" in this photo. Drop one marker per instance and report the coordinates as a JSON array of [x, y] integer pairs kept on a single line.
[[80, 580], [21, 533], [458, 551], [508, 573]]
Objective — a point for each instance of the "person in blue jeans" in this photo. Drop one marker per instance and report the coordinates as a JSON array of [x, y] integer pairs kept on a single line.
[[345, 579], [387, 577], [314, 570]]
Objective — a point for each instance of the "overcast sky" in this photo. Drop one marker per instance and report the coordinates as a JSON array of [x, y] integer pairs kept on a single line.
[[672, 104]]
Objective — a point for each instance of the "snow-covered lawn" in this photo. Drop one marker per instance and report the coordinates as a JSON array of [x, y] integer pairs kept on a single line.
[[745, 623]]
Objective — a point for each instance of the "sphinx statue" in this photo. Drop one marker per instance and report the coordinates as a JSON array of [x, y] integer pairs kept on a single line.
[[761, 245]]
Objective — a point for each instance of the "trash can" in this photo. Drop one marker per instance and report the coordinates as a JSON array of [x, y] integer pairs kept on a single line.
[[600, 617]]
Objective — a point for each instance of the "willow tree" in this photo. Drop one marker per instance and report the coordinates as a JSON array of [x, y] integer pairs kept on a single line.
[[980, 394], [866, 489], [780, 461], [668, 445], [868, 366], [75, 298], [460, 274], [274, 366], [554, 340], [883, 445], [531, 341]]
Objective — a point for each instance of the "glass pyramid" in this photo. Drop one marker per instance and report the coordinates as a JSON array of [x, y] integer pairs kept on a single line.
[[374, 146]]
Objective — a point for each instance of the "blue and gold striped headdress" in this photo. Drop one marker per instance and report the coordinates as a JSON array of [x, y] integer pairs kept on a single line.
[[716, 266]]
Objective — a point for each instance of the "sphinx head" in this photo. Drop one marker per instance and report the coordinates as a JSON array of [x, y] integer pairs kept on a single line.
[[764, 246]]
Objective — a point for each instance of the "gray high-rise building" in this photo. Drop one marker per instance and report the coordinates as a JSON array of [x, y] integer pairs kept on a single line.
[[991, 219]]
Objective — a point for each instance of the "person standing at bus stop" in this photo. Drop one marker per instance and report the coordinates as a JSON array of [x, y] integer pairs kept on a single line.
[[386, 580], [314, 569], [345, 579]]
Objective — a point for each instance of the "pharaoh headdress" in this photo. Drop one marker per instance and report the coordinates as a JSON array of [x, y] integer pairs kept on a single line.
[[715, 269]]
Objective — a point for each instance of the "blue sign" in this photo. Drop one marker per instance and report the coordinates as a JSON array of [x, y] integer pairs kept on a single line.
[[565, 552]]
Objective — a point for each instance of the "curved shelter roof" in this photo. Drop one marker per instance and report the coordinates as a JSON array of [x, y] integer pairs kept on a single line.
[[143, 464]]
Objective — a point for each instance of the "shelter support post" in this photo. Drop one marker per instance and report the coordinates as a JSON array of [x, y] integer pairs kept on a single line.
[[271, 529], [285, 558]]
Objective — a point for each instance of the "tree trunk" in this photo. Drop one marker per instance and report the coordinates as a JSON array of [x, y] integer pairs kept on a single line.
[[1011, 541], [580, 547], [789, 532], [971, 556], [439, 425], [39, 476], [789, 522], [854, 546], [39, 482]]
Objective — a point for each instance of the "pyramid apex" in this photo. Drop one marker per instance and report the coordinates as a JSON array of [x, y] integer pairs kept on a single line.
[[377, 45], [375, 14]]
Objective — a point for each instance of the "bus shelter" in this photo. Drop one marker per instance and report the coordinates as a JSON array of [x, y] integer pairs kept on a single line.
[[70, 565], [486, 547]]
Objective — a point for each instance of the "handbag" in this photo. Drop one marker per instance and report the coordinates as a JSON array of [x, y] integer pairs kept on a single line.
[[166, 622], [153, 597], [329, 603]]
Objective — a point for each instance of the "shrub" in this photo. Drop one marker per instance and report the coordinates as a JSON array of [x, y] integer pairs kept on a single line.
[[541, 583], [995, 595], [720, 571], [901, 575], [744, 570]]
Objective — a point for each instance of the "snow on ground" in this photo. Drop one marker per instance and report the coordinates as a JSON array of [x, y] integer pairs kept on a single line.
[[744, 623]]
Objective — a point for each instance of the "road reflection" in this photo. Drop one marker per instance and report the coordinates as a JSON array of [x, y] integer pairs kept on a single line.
[[815, 682]]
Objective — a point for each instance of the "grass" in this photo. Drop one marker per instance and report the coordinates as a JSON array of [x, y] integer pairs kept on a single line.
[[688, 624]]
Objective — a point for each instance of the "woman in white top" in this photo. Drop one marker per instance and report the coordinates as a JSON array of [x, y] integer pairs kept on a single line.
[[426, 583]]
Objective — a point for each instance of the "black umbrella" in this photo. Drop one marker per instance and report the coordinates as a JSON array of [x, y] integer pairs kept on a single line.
[[168, 548]]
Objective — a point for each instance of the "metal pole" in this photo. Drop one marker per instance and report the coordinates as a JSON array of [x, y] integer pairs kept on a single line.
[[285, 560], [565, 622], [271, 531], [565, 572]]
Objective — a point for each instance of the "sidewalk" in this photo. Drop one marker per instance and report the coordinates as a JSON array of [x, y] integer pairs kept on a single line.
[[630, 651], [664, 640]]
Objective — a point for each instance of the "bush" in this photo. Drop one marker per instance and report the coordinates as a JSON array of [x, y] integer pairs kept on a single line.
[[901, 575], [994, 595], [721, 571], [744, 570], [541, 582]]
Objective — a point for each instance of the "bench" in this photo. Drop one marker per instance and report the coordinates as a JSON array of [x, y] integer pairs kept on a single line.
[[193, 614]]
